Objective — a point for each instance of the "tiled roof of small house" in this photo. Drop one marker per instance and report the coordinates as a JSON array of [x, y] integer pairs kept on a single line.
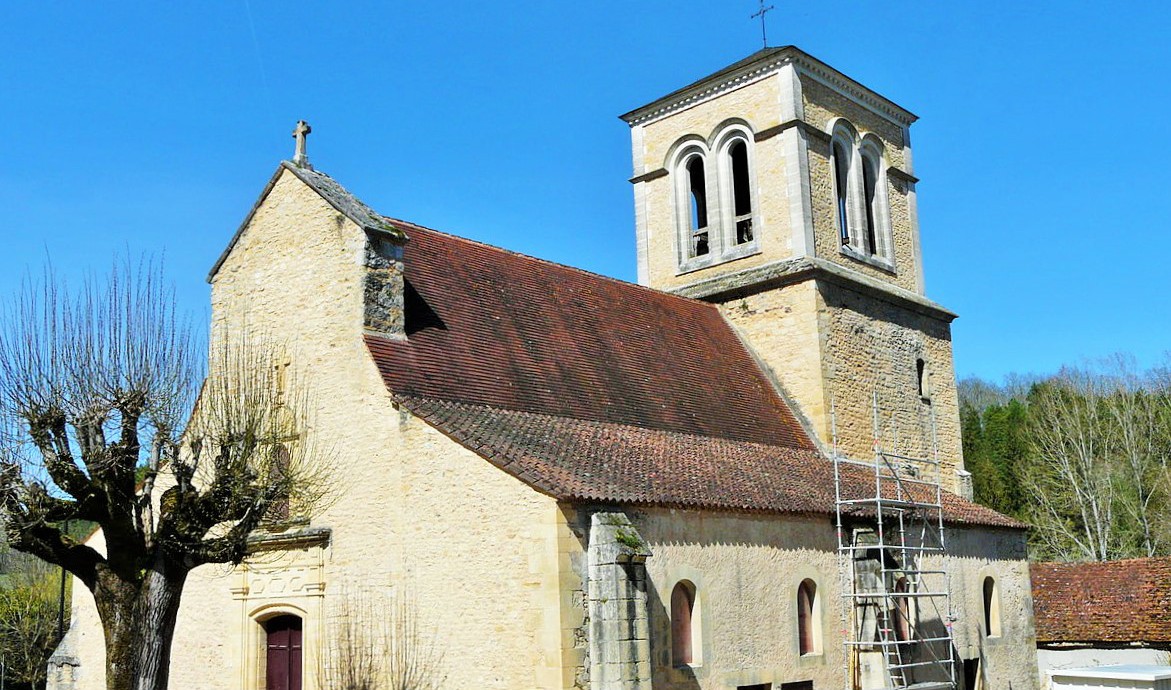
[[592, 388], [1113, 602]]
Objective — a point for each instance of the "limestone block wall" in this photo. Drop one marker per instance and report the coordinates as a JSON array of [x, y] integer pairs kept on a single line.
[[782, 326], [1007, 660], [757, 106], [619, 636], [827, 240], [410, 513], [833, 350], [869, 349], [822, 106], [747, 569]]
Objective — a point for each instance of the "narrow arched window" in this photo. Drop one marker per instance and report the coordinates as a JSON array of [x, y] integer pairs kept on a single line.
[[991, 608], [807, 624], [697, 206], [921, 377], [870, 189], [841, 165], [741, 191], [902, 612], [683, 624]]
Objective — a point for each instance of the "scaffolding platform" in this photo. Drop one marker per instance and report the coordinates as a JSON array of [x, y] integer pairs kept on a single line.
[[896, 608]]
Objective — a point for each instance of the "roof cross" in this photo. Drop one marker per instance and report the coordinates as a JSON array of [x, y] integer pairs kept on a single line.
[[763, 10], [302, 130]]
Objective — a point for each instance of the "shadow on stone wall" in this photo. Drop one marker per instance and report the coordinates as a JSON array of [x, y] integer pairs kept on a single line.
[[663, 674]]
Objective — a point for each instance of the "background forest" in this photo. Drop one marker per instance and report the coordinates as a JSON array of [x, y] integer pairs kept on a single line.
[[1081, 455]]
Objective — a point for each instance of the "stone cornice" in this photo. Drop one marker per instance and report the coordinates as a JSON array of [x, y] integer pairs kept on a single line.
[[703, 91], [769, 63], [779, 273], [844, 85], [647, 177], [905, 177], [302, 538]]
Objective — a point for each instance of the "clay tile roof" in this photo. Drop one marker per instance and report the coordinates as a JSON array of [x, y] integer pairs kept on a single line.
[[490, 327], [591, 388], [1117, 601]]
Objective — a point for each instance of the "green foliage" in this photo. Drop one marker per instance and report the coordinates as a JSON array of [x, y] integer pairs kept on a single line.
[[28, 628], [1084, 456], [996, 452], [628, 538]]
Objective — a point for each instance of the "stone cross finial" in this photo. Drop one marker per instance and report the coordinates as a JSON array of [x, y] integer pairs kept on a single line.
[[302, 130], [763, 11]]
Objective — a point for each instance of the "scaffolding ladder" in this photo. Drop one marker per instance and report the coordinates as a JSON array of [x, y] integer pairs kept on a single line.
[[896, 611]]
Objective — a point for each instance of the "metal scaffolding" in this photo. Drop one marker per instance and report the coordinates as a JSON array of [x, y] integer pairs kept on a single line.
[[896, 609]]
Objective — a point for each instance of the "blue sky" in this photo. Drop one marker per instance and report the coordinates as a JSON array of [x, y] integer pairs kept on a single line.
[[1043, 200]]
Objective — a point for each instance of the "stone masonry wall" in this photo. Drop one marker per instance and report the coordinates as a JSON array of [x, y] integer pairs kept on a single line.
[[869, 349], [411, 513], [747, 568], [782, 328], [822, 106], [755, 104], [619, 637]]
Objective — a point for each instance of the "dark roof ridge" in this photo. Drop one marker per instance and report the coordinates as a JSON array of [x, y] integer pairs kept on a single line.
[[549, 262]]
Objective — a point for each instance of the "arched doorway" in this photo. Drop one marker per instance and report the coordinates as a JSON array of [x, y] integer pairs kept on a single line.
[[283, 659]]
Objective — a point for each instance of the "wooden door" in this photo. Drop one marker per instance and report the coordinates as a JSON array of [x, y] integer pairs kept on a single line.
[[283, 661]]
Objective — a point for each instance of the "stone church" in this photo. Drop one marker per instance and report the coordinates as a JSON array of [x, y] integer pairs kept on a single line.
[[743, 473]]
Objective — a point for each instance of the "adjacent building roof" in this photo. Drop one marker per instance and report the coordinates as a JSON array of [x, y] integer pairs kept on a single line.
[[1117, 602], [590, 388]]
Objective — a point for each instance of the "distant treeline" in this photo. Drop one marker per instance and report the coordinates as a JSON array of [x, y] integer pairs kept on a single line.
[[1082, 455]]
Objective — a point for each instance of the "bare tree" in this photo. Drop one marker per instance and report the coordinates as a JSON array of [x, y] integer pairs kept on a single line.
[[1138, 423], [97, 386], [1073, 480], [378, 643]]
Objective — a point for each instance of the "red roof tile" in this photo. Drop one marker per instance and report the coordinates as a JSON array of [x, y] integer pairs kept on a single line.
[[1117, 601], [591, 388], [491, 327], [590, 460]]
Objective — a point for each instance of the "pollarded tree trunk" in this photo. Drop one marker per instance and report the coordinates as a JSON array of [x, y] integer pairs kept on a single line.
[[139, 623]]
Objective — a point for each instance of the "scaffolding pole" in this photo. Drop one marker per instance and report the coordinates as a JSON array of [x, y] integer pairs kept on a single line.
[[896, 609]]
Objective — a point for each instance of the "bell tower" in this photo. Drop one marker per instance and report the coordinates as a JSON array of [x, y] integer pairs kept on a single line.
[[783, 190]]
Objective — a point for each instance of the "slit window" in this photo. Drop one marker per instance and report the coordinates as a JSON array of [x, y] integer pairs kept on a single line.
[[922, 381], [741, 191], [278, 508], [991, 608], [697, 201]]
